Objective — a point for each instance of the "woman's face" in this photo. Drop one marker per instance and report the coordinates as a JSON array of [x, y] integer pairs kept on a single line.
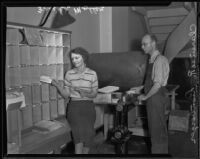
[[77, 60]]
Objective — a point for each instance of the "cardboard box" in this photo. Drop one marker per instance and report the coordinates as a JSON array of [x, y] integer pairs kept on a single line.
[[179, 120]]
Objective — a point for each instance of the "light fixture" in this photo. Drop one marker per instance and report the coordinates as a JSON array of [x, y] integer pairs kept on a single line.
[[62, 16], [63, 19]]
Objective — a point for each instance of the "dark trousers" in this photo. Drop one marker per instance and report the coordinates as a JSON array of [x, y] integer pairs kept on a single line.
[[157, 123]]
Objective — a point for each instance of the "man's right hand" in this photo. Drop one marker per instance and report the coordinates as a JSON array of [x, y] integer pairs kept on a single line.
[[137, 89]]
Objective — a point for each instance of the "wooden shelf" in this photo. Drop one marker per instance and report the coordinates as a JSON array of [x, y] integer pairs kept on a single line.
[[31, 52]]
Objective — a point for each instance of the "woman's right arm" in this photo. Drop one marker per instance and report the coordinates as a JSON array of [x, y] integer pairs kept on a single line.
[[64, 92]]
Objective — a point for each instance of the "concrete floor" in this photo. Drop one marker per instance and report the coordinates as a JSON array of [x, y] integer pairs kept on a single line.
[[180, 144], [136, 145]]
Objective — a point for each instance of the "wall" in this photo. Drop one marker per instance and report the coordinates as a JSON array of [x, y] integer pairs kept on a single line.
[[106, 30], [24, 15], [137, 29], [85, 30], [120, 22], [114, 30], [128, 29]]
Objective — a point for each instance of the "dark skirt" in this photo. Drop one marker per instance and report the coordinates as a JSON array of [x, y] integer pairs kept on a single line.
[[81, 116]]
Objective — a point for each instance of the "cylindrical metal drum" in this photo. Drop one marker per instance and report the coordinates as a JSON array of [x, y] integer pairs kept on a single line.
[[122, 69]]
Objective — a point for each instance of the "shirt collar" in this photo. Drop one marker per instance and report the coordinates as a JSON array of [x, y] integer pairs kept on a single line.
[[153, 56], [75, 70]]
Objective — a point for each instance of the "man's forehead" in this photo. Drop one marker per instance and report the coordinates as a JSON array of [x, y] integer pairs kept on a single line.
[[146, 38]]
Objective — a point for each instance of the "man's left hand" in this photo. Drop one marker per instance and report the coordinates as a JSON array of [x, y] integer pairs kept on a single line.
[[142, 97]]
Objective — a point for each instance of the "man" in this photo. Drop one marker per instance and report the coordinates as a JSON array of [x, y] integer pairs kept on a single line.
[[155, 95]]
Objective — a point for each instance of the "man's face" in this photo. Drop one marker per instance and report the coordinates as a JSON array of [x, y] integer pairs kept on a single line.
[[147, 45]]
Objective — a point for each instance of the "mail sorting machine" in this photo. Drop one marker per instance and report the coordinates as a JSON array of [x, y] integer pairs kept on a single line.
[[125, 70], [120, 133]]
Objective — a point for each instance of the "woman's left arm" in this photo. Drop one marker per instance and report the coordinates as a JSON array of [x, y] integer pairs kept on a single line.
[[88, 93]]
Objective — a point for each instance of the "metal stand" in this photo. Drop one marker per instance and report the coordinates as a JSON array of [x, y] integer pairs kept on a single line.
[[120, 134]]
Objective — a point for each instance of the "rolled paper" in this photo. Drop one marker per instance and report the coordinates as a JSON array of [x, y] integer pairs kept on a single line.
[[51, 55], [61, 107], [13, 55], [13, 126], [25, 75], [43, 55], [45, 111], [59, 72], [52, 93], [33, 36], [43, 70], [35, 74], [27, 94], [37, 116], [66, 58], [61, 83], [52, 71], [59, 55], [34, 54], [66, 39], [53, 109], [44, 37], [45, 92], [58, 38], [27, 120], [15, 76], [36, 94], [7, 78], [51, 38], [25, 58]]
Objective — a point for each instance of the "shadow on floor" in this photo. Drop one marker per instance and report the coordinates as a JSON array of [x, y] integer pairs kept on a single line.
[[136, 145]]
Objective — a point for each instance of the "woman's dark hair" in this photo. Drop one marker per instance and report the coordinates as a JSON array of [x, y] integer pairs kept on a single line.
[[81, 51]]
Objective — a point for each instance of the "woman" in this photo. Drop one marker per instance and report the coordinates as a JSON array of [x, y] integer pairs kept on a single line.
[[81, 85]]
